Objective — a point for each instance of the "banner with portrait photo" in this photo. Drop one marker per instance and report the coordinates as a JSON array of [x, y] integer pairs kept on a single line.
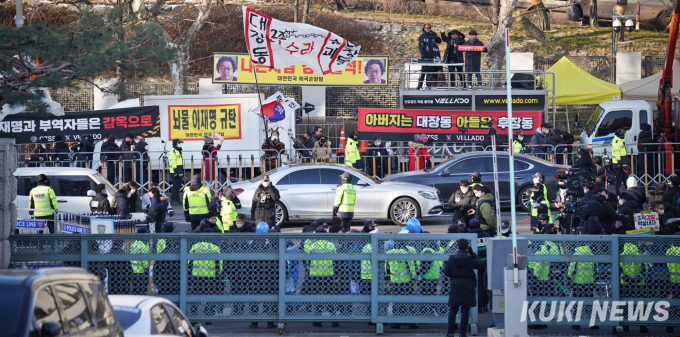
[[193, 122], [443, 126], [234, 68]]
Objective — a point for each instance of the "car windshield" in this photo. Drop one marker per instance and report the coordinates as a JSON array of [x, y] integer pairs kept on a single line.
[[127, 316], [13, 317], [104, 181], [365, 176], [590, 127]]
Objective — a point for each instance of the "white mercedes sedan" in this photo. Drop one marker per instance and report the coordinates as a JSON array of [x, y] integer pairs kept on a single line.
[[142, 316], [308, 193]]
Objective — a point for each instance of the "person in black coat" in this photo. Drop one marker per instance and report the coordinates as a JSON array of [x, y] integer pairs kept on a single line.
[[111, 158], [127, 146], [629, 205], [645, 137], [264, 202], [637, 192], [241, 225], [608, 215], [60, 152], [452, 55], [100, 202], [622, 227], [122, 203], [591, 224], [463, 200], [585, 162], [142, 167], [380, 154], [429, 51], [473, 60], [85, 151], [158, 208], [555, 139], [463, 282], [673, 193]]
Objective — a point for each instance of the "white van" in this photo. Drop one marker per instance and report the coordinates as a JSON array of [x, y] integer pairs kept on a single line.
[[70, 185], [627, 115]]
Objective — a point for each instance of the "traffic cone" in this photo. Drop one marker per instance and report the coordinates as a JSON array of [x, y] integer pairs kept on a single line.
[[363, 146], [343, 142]]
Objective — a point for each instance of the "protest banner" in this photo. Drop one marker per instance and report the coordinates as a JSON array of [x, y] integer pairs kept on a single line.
[[646, 231], [193, 122], [647, 219]]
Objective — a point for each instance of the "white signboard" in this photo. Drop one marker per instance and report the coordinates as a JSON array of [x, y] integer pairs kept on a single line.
[[647, 220], [101, 226]]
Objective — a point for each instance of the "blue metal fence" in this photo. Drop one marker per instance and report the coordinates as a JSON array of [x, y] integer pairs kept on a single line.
[[264, 277]]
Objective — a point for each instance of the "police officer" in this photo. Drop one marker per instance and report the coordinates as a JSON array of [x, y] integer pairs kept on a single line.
[[674, 274], [196, 201], [228, 209], [539, 178], [633, 275], [542, 285], [352, 155], [518, 143], [176, 164], [320, 271], [400, 273], [582, 276], [100, 202], [43, 202], [204, 278], [619, 159], [140, 268], [537, 198], [264, 202], [345, 197], [476, 179]]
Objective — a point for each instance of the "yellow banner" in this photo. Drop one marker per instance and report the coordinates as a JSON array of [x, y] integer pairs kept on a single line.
[[237, 69], [193, 122]]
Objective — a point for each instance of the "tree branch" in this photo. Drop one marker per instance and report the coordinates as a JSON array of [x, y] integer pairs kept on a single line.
[[480, 12]]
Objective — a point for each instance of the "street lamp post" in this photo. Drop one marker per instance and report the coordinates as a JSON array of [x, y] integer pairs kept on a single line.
[[616, 29]]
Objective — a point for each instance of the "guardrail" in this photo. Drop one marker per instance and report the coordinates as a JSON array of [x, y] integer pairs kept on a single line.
[[265, 277]]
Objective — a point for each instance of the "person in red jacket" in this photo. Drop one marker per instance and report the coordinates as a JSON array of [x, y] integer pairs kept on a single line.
[[417, 153], [210, 157]]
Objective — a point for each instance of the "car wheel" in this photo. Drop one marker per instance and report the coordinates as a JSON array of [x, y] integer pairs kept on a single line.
[[404, 209], [280, 214], [574, 13], [524, 198]]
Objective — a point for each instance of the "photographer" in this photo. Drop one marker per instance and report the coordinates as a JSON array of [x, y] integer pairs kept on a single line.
[[628, 205], [585, 162], [590, 212], [85, 151], [608, 215], [462, 200]]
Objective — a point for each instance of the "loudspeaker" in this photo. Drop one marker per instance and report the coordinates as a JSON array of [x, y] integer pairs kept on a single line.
[[523, 81]]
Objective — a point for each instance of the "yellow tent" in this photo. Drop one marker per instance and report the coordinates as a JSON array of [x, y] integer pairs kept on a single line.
[[576, 86]]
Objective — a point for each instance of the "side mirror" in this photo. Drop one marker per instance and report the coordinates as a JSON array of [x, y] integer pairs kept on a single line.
[[362, 183], [50, 329], [91, 193], [445, 173], [200, 330]]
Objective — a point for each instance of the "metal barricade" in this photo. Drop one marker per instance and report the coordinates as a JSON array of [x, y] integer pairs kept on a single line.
[[268, 277]]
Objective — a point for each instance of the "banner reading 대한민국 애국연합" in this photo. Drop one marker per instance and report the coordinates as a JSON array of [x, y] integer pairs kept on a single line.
[[232, 68], [193, 122]]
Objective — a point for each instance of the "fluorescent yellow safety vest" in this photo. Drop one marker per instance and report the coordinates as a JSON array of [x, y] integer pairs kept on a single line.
[[175, 159], [352, 152], [228, 211], [139, 247], [197, 200], [618, 149], [204, 268], [366, 267], [585, 271], [320, 267], [674, 268], [631, 269], [44, 200], [345, 197]]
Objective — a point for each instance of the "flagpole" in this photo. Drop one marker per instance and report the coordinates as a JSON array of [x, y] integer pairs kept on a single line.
[[259, 98]]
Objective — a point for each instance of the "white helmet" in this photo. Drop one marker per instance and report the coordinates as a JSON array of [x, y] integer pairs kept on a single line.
[[631, 182]]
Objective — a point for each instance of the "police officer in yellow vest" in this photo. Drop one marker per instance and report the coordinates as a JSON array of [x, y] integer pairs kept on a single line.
[[541, 282], [582, 275], [205, 279], [321, 280], [619, 160], [228, 209], [139, 284], [352, 155], [633, 275], [345, 197], [401, 275], [674, 275], [537, 198], [43, 201], [196, 201], [176, 165], [518, 143]]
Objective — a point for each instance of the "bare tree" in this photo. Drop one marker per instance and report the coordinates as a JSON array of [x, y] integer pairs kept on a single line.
[[305, 12], [501, 17], [594, 21], [340, 4], [543, 19], [530, 27], [179, 67], [297, 10]]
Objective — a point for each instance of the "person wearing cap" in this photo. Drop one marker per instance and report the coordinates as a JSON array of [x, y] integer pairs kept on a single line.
[[460, 268], [458, 226], [376, 158], [140, 268], [43, 202], [209, 151], [110, 152], [321, 279], [127, 146], [196, 201], [417, 153], [158, 208], [473, 60], [100, 202], [462, 200], [369, 226], [506, 229], [352, 155], [272, 147], [518, 143], [476, 179], [176, 165], [264, 202], [211, 222], [485, 211], [345, 197], [429, 52], [227, 208], [537, 198], [647, 147], [619, 159]]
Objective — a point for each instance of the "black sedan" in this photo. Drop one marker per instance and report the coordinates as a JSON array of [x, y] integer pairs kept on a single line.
[[447, 175]]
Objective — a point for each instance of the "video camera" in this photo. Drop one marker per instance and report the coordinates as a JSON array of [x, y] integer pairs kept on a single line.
[[573, 181]]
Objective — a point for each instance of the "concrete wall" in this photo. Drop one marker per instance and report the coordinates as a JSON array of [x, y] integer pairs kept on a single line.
[[8, 192]]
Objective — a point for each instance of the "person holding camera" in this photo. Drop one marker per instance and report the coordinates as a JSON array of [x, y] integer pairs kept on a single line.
[[619, 159], [460, 268], [462, 200]]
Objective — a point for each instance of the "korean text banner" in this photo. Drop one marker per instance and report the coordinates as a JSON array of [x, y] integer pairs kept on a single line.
[[279, 44], [193, 122], [29, 127], [236, 68], [442, 126]]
